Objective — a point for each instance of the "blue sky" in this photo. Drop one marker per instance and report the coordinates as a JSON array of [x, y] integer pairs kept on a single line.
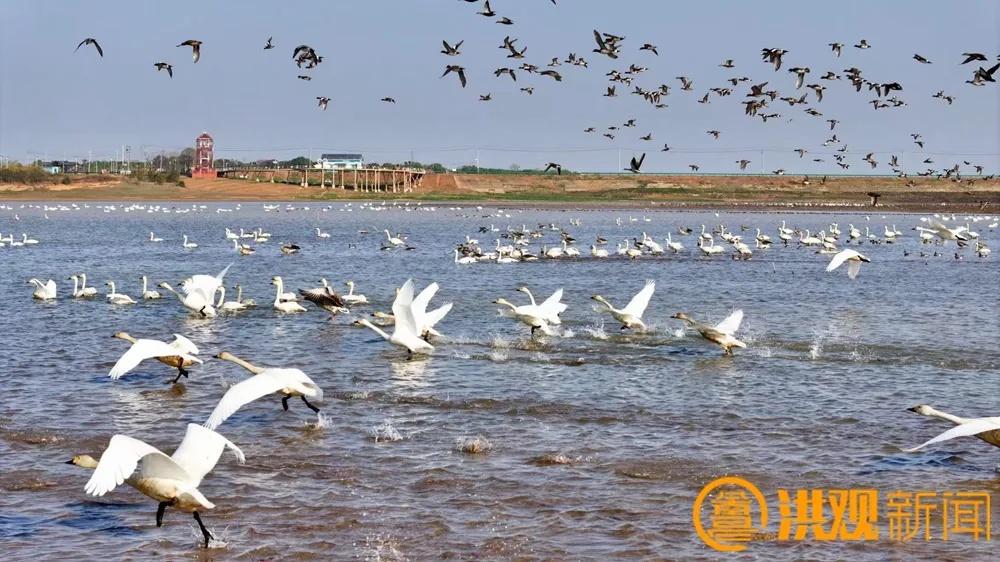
[[58, 103]]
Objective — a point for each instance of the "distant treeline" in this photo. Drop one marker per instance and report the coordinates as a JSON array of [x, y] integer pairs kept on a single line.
[[31, 175]]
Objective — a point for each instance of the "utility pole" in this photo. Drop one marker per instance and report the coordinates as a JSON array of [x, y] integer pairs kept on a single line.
[[477, 159], [305, 175], [89, 158]]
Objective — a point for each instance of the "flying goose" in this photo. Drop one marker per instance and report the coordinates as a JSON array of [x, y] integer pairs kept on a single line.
[[92, 41], [451, 51], [460, 70], [634, 165], [325, 298], [170, 72], [195, 48]]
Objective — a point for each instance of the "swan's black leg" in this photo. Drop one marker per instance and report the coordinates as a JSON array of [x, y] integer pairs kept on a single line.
[[181, 372], [533, 328], [204, 531], [311, 407], [284, 403], [624, 327], [159, 513]]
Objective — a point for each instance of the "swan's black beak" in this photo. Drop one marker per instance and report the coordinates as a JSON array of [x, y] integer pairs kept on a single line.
[[913, 409], [70, 461]]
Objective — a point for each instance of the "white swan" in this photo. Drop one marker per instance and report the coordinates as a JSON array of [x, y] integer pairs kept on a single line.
[[84, 289], [675, 246], [464, 260], [598, 252], [266, 380], [148, 295], [195, 301], [115, 297], [946, 233], [527, 314], [179, 354], [721, 333], [425, 321], [393, 240], [321, 234], [631, 315], [44, 292], [228, 306], [243, 249], [351, 298], [76, 292], [189, 244], [26, 241], [987, 429], [207, 284], [551, 308], [172, 481], [154, 238], [284, 305], [405, 332], [854, 259]]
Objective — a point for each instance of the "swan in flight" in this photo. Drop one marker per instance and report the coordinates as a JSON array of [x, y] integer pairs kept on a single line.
[[551, 308], [527, 314], [179, 354], [148, 295], [405, 331], [946, 233], [115, 297], [43, 292], [987, 429], [325, 298], [854, 260], [721, 333], [283, 305], [189, 245], [631, 315], [195, 301], [265, 380], [172, 481], [82, 292], [351, 298]]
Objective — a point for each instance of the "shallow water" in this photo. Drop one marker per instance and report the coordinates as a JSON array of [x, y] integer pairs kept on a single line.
[[588, 445]]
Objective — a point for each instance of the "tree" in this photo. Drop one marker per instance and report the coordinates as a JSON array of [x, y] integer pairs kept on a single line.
[[515, 167]]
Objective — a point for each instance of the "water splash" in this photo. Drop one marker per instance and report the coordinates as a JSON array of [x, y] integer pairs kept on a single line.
[[498, 355], [382, 548], [322, 421], [596, 330], [477, 445], [385, 432]]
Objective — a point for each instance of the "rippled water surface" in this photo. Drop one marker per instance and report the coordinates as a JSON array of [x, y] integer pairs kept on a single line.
[[590, 444]]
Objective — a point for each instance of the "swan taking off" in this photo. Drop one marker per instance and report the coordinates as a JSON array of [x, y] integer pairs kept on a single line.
[[406, 332], [43, 292], [269, 380], [631, 315], [179, 354], [172, 481], [550, 309], [528, 314], [853, 267], [721, 333], [987, 429]]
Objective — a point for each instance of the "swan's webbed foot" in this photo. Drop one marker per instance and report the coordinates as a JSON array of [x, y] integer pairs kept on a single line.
[[284, 403], [159, 512], [208, 536], [181, 372], [624, 327], [311, 407]]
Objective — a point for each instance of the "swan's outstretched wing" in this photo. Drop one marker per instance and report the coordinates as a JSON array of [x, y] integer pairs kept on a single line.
[[50, 288], [267, 382], [552, 303], [731, 323], [839, 258], [184, 345], [139, 352], [419, 306], [853, 268], [435, 316], [640, 301], [970, 427], [200, 450], [121, 459], [402, 310]]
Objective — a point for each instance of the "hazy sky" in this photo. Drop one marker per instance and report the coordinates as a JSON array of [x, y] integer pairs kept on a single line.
[[61, 104]]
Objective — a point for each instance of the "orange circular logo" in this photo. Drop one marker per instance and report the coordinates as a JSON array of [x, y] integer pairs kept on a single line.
[[732, 515]]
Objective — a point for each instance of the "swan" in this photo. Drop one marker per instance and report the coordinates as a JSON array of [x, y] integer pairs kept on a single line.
[[321, 234], [249, 303], [946, 233], [551, 308], [230, 235], [987, 429], [570, 251], [189, 244], [195, 301], [26, 241], [675, 246], [243, 249], [395, 241], [424, 320], [43, 292], [148, 295], [351, 298], [228, 306], [853, 267], [721, 333], [598, 252], [282, 305], [266, 380], [179, 354], [527, 314], [630, 251], [405, 332], [325, 298], [172, 481], [464, 260], [207, 284], [115, 297], [711, 249], [631, 315], [84, 289], [83, 292], [154, 238], [762, 238]]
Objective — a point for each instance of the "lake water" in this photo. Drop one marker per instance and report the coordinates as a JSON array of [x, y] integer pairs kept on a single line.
[[598, 441]]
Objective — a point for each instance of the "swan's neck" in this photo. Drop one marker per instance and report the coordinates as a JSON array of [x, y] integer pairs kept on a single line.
[[605, 302], [280, 286], [83, 281], [350, 290], [252, 368], [74, 286], [112, 284], [945, 416], [377, 330], [530, 296], [144, 284], [222, 296], [239, 293]]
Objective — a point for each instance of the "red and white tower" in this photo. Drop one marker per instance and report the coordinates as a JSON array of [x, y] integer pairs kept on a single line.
[[204, 157]]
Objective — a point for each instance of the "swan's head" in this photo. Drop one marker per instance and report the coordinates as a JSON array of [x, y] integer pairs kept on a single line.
[[275, 280], [225, 355], [380, 314], [349, 283], [522, 289], [122, 336], [83, 461], [110, 283], [599, 298], [503, 302], [361, 322], [166, 286], [923, 410], [31, 281], [73, 277]]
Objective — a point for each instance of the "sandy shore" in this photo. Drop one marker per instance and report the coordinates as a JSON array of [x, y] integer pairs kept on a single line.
[[750, 193]]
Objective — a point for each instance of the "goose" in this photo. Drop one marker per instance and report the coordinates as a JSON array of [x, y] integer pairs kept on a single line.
[[27, 241], [115, 297], [148, 295], [527, 314], [405, 332], [325, 298], [987, 429], [598, 252], [179, 354], [84, 289], [195, 301], [189, 245], [721, 333], [351, 298], [265, 380], [228, 306], [321, 234], [83, 292], [675, 246], [289, 249], [172, 481], [154, 238], [631, 315], [551, 308], [243, 249], [283, 305], [43, 292], [464, 260], [395, 241], [854, 259]]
